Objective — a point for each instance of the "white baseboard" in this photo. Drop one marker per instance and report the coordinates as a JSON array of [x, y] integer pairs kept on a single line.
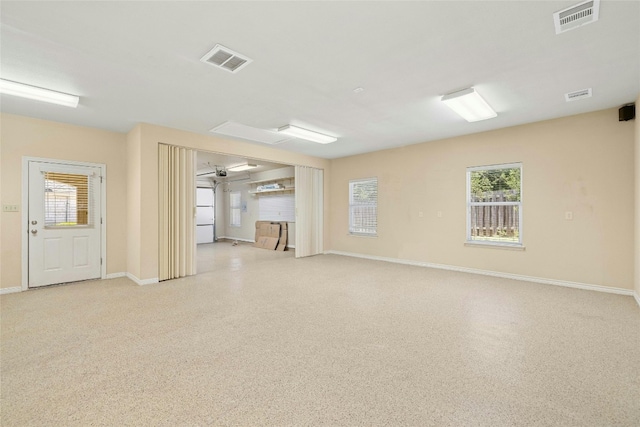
[[11, 290], [142, 282], [236, 238], [115, 275], [542, 280], [637, 297], [248, 241]]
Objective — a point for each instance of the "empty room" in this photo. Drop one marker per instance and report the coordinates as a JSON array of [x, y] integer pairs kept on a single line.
[[338, 213]]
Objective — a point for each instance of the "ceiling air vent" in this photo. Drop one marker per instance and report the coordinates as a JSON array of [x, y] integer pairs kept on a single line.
[[576, 16], [226, 59], [578, 94]]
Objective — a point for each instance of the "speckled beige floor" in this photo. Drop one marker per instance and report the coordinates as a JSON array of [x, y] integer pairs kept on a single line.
[[326, 340]]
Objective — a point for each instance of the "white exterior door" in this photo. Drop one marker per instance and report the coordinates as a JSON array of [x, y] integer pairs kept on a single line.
[[64, 223]]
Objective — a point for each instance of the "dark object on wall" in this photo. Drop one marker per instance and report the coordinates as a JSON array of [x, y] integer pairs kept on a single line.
[[627, 112]]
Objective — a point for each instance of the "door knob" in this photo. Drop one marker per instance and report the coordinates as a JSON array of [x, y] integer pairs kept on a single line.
[[34, 222], [34, 231]]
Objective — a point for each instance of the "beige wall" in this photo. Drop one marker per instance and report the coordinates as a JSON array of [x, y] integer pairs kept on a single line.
[[149, 138], [637, 187], [582, 164], [23, 136]]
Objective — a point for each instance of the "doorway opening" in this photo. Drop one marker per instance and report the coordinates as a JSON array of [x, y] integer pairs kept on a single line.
[[233, 193]]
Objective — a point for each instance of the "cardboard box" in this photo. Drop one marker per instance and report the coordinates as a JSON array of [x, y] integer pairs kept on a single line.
[[271, 230], [282, 244], [267, 243], [267, 235], [261, 229]]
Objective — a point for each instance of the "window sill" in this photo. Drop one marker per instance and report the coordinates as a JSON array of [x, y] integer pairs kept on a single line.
[[495, 245], [362, 235]]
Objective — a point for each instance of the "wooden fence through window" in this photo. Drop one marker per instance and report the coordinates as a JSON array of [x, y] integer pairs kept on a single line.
[[495, 220]]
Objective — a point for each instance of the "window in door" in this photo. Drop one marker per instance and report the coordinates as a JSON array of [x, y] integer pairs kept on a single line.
[[67, 199]]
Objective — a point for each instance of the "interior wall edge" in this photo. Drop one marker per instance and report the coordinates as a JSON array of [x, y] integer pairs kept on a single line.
[[142, 282]]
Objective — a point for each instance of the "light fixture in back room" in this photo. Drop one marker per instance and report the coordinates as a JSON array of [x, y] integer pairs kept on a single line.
[[469, 105], [242, 167], [307, 134]]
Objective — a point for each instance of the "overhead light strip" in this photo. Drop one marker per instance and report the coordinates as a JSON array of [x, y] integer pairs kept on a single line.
[[469, 105], [309, 135], [242, 167], [37, 93]]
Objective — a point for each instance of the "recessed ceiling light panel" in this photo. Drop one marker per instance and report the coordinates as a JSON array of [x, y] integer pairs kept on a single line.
[[469, 105], [307, 134], [238, 130]]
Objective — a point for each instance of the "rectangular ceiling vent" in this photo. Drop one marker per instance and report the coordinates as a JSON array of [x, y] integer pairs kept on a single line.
[[576, 16], [578, 94], [225, 58]]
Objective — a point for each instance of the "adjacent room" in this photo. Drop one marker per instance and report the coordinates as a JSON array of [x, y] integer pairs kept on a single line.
[[233, 197], [320, 213]]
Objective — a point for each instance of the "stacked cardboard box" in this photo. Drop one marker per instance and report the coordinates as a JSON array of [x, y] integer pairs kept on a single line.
[[271, 235]]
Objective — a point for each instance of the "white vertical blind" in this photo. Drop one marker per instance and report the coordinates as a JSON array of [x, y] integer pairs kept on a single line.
[[177, 240], [235, 209], [309, 211], [363, 206]]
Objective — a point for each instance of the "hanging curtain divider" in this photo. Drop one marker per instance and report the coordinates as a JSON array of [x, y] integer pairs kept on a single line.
[[309, 211], [177, 212]]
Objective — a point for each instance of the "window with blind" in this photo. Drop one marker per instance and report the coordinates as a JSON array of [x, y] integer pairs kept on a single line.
[[494, 204], [363, 207], [235, 208], [68, 200], [281, 207]]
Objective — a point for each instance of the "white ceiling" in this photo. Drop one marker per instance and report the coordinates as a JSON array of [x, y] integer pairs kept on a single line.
[[140, 62]]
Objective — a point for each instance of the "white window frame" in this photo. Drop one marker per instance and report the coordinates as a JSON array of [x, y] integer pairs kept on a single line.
[[470, 204], [233, 207], [373, 233]]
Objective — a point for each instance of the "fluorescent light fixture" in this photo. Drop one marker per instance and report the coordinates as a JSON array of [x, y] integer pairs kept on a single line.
[[469, 105], [39, 94], [309, 135], [242, 167]]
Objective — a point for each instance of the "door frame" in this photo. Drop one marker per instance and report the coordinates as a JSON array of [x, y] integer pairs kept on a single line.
[[25, 212]]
